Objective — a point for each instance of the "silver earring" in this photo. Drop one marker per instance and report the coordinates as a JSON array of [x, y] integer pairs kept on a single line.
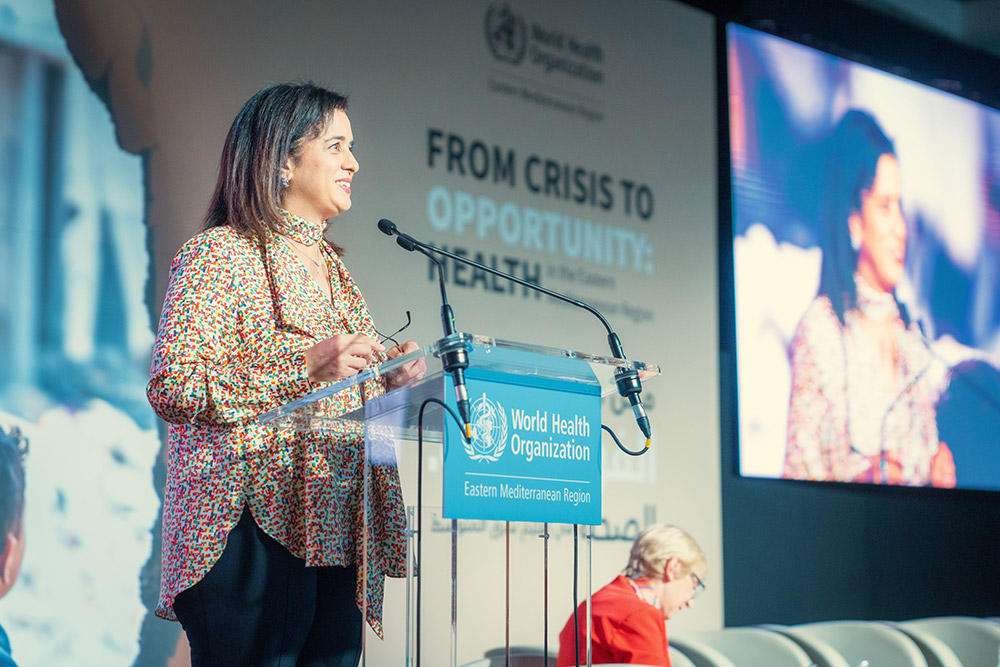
[[284, 183], [855, 243]]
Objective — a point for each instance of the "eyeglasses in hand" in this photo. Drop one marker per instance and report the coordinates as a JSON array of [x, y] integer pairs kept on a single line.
[[384, 337]]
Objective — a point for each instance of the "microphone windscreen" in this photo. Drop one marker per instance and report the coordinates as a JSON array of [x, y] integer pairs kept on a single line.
[[405, 242], [387, 226]]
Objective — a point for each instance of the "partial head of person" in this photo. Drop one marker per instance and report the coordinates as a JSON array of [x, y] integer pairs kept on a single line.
[[12, 450], [289, 148], [864, 232], [672, 562]]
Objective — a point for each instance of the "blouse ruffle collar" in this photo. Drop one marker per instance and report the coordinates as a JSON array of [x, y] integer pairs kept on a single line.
[[299, 229], [876, 305]]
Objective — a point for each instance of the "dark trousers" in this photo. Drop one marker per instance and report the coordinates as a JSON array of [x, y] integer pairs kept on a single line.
[[261, 606]]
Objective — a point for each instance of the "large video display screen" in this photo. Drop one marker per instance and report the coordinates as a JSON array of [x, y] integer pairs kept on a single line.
[[866, 260]]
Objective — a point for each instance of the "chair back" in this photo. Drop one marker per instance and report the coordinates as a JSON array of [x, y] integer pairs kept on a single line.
[[747, 647], [700, 653], [678, 659], [521, 656], [819, 652], [975, 641], [860, 642]]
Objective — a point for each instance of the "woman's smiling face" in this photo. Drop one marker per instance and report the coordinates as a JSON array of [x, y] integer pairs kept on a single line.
[[879, 228], [320, 175]]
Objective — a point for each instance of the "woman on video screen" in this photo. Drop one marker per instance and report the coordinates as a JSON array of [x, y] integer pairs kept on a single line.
[[862, 402]]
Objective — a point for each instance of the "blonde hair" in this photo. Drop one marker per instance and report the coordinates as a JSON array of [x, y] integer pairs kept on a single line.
[[659, 543]]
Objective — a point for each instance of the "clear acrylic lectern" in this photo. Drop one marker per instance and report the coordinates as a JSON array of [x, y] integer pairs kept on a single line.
[[459, 598]]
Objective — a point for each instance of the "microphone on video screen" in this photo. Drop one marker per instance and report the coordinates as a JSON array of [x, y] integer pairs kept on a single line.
[[453, 352], [627, 381]]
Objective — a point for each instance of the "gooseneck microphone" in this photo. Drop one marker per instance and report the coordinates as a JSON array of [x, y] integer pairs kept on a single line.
[[627, 381], [630, 387], [453, 351]]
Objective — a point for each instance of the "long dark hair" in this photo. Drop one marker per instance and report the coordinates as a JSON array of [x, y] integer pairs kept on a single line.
[[269, 129], [854, 151]]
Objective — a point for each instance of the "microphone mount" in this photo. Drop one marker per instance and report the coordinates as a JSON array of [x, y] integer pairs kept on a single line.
[[628, 382], [454, 348]]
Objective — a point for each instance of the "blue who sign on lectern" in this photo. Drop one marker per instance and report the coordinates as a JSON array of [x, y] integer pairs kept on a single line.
[[535, 452]]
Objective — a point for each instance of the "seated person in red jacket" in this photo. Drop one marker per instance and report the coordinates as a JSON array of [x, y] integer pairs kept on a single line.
[[665, 573]]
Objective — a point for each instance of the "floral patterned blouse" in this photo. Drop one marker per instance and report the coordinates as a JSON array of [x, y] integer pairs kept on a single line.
[[840, 415], [236, 322]]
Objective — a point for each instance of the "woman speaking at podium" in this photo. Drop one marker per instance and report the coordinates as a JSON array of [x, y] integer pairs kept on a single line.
[[864, 380], [263, 528]]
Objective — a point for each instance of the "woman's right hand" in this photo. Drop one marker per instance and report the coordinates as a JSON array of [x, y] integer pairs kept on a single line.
[[340, 356]]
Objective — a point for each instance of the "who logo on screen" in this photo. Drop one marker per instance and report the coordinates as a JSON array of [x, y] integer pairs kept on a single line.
[[506, 34], [489, 431]]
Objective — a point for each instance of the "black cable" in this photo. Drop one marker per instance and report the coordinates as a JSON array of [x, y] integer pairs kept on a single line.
[[420, 499], [638, 452]]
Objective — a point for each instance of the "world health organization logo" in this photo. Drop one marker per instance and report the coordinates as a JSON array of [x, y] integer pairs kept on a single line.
[[506, 34], [489, 430]]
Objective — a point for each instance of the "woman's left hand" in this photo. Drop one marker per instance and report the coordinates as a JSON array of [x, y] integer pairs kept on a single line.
[[408, 373], [943, 468]]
